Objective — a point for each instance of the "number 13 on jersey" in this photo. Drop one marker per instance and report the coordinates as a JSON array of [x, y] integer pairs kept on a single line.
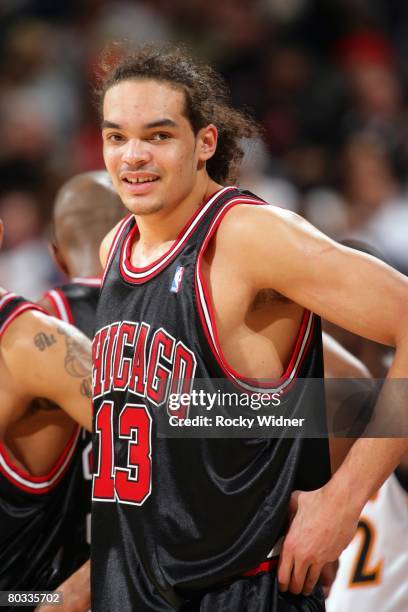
[[130, 484]]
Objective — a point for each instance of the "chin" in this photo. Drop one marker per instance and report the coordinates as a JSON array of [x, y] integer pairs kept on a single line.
[[137, 207]]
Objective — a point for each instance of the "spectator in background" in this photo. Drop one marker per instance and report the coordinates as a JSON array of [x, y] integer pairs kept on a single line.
[[257, 175], [25, 265], [377, 206], [38, 74], [278, 57], [370, 66]]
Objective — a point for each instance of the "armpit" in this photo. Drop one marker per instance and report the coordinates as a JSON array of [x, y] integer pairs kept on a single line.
[[267, 296], [41, 403]]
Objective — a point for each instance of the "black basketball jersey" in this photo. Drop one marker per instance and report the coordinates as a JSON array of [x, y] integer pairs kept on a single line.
[[172, 516], [76, 303], [44, 520]]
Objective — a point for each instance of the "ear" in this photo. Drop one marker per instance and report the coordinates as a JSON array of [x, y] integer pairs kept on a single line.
[[207, 139], [58, 259]]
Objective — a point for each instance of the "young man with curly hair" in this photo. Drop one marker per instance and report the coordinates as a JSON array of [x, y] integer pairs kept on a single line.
[[205, 282]]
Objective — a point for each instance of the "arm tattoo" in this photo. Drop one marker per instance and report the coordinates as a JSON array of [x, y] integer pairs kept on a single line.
[[43, 341], [77, 358], [86, 387]]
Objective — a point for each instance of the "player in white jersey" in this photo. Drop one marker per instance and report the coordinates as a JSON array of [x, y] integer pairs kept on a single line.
[[373, 571]]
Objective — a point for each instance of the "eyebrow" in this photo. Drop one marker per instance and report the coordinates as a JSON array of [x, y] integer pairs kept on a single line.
[[148, 126]]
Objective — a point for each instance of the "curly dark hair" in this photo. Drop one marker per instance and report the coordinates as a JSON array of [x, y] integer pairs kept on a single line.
[[205, 92]]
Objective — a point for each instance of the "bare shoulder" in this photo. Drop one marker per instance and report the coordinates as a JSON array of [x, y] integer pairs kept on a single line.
[[36, 340], [264, 238], [22, 332], [248, 225], [107, 243]]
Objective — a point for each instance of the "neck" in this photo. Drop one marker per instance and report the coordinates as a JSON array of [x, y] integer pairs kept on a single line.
[[84, 265], [165, 225]]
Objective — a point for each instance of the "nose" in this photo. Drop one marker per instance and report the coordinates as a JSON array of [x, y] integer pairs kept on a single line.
[[136, 151]]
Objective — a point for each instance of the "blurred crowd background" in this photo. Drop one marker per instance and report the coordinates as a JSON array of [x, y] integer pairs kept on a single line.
[[326, 79]]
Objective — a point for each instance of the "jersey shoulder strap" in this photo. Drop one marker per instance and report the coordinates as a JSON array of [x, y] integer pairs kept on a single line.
[[60, 305], [11, 307]]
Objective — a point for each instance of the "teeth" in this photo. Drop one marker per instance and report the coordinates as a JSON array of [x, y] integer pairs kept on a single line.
[[140, 180]]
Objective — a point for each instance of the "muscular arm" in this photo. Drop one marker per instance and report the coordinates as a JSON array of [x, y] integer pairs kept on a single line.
[[50, 359], [354, 291], [349, 288]]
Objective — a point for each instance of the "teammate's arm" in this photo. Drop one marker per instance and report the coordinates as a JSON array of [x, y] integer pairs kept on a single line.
[[50, 359], [339, 362], [354, 291]]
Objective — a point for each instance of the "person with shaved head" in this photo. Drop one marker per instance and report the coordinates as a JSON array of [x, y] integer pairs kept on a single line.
[[208, 286], [45, 368], [86, 208]]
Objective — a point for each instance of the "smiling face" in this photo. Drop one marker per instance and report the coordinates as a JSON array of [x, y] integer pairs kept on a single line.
[[150, 150]]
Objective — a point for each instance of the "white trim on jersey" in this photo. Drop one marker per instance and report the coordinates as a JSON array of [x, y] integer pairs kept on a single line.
[[39, 484], [90, 281], [60, 305], [149, 270]]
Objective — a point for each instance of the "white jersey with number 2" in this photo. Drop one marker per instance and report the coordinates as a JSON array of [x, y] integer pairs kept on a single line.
[[373, 572]]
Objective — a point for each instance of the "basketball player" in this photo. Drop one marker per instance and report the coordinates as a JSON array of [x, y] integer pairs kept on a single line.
[[85, 209], [207, 282], [44, 393], [374, 567]]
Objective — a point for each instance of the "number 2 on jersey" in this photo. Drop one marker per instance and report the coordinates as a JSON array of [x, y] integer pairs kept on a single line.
[[130, 484], [363, 574]]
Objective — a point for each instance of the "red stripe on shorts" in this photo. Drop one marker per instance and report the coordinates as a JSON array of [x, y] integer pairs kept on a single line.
[[265, 566]]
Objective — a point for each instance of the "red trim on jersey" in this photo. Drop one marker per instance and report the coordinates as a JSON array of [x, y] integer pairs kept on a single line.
[[54, 311], [17, 312], [39, 484], [114, 243], [205, 311], [60, 305], [136, 275], [265, 566]]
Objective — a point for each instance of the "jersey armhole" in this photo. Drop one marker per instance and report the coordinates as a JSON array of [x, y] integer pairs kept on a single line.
[[23, 307], [39, 484], [206, 314], [60, 305]]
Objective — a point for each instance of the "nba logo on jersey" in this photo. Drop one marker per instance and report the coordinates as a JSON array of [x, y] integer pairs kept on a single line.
[[178, 277]]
